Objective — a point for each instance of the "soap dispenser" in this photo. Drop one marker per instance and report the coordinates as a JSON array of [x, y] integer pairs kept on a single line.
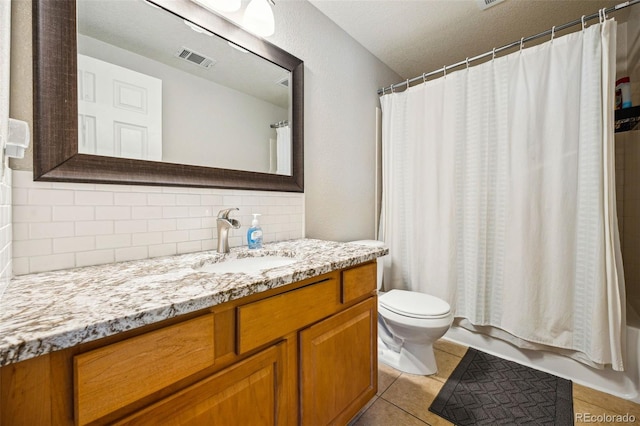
[[254, 234]]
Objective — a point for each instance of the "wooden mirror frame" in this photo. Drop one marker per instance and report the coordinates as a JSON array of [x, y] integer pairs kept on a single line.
[[55, 109]]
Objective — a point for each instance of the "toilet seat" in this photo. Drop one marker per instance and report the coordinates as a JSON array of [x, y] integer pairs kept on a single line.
[[415, 305]]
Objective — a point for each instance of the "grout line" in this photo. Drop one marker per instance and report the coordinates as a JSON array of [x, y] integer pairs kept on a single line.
[[400, 408]]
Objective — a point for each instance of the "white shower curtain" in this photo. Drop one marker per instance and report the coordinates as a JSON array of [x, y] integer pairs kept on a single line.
[[498, 196]]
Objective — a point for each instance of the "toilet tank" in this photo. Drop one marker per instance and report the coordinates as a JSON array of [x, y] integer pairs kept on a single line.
[[380, 260]]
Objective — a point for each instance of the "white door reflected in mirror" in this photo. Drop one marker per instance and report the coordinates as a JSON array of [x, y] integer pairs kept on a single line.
[[120, 111]]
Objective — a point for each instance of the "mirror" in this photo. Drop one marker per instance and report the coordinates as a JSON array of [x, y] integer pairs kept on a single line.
[[190, 139]]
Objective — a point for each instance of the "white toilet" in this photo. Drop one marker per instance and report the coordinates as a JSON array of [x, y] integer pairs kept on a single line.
[[408, 324]]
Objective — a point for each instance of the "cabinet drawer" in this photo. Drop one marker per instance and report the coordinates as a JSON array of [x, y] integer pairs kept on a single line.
[[111, 377], [266, 320], [359, 281], [251, 392]]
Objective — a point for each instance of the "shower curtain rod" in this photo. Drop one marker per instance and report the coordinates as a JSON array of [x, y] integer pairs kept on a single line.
[[286, 122], [444, 69]]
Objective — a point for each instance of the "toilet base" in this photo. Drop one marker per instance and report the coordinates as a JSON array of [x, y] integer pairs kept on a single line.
[[412, 358]]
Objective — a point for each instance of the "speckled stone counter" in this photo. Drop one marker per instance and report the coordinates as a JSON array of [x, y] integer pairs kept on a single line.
[[42, 313]]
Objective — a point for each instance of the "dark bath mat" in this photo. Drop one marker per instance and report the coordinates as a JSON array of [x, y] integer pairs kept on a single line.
[[487, 390]]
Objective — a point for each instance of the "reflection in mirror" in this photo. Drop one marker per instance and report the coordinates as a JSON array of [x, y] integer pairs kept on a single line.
[[153, 86]]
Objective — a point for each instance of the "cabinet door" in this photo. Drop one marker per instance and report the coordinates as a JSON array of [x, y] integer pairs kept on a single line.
[[251, 392], [338, 364]]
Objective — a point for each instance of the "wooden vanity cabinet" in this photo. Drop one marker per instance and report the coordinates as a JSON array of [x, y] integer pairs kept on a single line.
[[302, 354]]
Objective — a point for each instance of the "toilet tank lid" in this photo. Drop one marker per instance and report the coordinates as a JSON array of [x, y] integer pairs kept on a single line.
[[414, 304]]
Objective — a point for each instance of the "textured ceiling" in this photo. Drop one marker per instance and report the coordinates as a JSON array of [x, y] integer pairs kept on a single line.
[[417, 36]]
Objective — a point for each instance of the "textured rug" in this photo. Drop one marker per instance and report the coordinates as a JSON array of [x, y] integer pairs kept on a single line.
[[487, 390]]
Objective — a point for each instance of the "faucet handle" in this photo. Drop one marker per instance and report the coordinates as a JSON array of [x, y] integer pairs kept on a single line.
[[224, 213]]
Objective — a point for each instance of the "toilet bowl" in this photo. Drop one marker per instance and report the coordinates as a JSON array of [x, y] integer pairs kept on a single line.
[[408, 324]]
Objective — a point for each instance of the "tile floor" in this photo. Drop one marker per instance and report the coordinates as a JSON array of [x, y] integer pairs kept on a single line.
[[403, 399]]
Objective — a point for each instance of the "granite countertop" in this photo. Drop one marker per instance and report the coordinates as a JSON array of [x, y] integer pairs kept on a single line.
[[45, 312]]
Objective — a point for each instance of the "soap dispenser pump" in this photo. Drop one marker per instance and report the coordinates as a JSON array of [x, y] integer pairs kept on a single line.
[[254, 234]]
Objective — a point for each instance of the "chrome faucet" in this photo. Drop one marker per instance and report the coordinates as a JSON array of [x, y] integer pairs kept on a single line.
[[224, 224]]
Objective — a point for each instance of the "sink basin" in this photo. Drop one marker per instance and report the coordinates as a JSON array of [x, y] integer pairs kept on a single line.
[[247, 265]]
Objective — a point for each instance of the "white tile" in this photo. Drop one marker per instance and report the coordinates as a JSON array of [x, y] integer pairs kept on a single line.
[[162, 225], [130, 199], [93, 198], [74, 186], [163, 250], [144, 189], [113, 241], [201, 234], [113, 213], [161, 199], [189, 247], [111, 187], [73, 244], [46, 197], [24, 179], [146, 238], [211, 200], [22, 214], [176, 211], [20, 231], [52, 262], [94, 227], [232, 201], [64, 213], [201, 211], [188, 200], [209, 244], [20, 265], [175, 236], [96, 257], [20, 196], [51, 230], [131, 253], [208, 222], [188, 223], [30, 248], [150, 212], [130, 226]]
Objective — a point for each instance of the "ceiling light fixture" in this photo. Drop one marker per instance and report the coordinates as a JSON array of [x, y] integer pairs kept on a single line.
[[258, 17], [220, 5]]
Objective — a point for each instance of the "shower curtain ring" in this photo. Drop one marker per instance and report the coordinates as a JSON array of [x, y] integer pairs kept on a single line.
[[553, 32], [424, 77], [407, 83], [521, 43], [444, 71], [582, 20], [493, 54], [391, 87], [604, 14], [467, 61]]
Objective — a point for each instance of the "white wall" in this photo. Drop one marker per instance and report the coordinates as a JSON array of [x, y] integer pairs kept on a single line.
[[196, 130], [341, 81]]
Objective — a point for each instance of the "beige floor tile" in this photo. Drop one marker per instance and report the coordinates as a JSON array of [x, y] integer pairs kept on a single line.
[[446, 364], [415, 394], [450, 347], [386, 376], [605, 401], [355, 419], [382, 413]]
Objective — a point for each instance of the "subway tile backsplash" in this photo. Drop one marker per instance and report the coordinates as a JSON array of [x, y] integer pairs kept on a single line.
[[66, 225], [5, 230]]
